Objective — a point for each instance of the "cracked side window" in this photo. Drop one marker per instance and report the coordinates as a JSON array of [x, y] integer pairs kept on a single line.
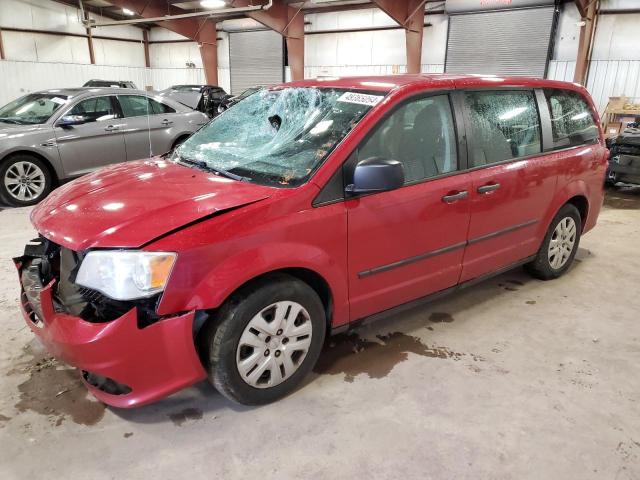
[[278, 137]]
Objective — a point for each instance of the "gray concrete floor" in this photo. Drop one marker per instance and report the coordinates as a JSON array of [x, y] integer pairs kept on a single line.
[[514, 378]]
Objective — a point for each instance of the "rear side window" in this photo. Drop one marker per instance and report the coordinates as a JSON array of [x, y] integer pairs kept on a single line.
[[504, 125], [420, 134], [572, 122], [138, 106]]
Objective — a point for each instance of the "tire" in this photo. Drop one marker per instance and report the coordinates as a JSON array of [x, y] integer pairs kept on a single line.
[[547, 266], [250, 315], [178, 142], [24, 168]]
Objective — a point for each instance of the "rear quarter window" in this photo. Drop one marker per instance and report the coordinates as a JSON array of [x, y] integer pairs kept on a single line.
[[572, 121]]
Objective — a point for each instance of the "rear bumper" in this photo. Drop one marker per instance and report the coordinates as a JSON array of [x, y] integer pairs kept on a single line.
[[152, 362]]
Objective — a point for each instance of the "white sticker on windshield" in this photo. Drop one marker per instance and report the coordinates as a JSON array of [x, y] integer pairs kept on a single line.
[[58, 100], [360, 98]]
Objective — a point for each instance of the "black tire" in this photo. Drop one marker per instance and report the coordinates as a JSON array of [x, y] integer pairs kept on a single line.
[[5, 194], [541, 267], [223, 335], [178, 142]]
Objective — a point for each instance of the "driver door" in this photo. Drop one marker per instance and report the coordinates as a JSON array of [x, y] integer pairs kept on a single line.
[[407, 243], [96, 142]]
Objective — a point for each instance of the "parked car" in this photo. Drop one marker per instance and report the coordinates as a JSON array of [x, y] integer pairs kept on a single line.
[[53, 135], [624, 161], [297, 213], [205, 98], [231, 100], [110, 84]]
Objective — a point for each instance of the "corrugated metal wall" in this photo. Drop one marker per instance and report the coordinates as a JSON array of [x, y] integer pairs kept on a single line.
[[607, 78], [23, 77]]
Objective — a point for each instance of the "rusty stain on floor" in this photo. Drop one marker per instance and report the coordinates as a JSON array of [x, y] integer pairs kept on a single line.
[[351, 355], [55, 391], [181, 417]]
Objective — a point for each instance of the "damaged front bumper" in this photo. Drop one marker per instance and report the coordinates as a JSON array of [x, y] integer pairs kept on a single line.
[[124, 363]]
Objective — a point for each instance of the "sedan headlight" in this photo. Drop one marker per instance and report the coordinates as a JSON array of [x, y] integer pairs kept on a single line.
[[126, 275]]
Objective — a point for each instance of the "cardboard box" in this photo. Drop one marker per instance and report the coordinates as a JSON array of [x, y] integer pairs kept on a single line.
[[612, 129]]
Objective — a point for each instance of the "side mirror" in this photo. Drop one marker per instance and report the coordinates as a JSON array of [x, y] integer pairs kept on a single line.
[[71, 120], [376, 175]]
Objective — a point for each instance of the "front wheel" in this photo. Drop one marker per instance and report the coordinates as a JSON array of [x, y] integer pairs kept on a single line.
[[265, 340], [24, 180], [559, 246]]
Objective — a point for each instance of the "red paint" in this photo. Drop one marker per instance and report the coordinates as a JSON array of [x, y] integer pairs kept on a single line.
[[135, 205]]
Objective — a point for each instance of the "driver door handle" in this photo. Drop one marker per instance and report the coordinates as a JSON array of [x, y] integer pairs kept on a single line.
[[111, 128], [488, 188], [454, 197]]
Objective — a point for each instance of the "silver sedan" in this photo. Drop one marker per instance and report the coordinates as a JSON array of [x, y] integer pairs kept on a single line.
[[54, 135]]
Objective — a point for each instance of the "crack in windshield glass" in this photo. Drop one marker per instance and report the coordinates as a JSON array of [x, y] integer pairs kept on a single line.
[[277, 137]]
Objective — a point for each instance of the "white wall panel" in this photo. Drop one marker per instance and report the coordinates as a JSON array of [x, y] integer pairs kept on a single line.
[[174, 55], [19, 78], [112, 52]]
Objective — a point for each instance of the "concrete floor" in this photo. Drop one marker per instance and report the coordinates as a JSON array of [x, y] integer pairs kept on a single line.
[[514, 378]]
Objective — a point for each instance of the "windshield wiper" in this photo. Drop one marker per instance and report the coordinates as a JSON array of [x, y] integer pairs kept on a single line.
[[205, 166], [10, 120]]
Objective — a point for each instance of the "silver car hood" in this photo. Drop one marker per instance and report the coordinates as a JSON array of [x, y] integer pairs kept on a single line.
[[7, 129], [190, 99]]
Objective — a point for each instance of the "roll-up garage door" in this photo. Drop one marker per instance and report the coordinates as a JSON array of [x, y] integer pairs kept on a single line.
[[501, 42], [255, 58]]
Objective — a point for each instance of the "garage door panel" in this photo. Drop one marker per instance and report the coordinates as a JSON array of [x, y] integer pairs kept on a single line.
[[255, 58], [507, 42]]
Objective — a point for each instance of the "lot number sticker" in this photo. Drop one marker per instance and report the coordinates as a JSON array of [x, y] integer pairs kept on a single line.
[[360, 98]]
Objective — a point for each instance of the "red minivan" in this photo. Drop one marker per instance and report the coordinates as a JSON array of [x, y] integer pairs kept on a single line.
[[301, 210]]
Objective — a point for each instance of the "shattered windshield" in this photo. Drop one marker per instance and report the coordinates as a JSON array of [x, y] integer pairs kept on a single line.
[[277, 137], [32, 109]]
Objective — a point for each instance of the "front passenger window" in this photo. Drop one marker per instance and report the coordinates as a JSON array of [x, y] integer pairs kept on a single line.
[[504, 125], [97, 109], [420, 134]]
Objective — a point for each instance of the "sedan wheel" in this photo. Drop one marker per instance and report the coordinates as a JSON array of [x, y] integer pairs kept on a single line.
[[274, 344], [25, 180]]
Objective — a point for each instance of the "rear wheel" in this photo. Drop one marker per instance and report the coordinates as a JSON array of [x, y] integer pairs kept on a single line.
[[24, 180], [559, 246], [265, 340]]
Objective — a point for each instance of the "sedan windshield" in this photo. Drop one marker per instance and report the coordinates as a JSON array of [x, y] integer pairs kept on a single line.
[[32, 109], [277, 137]]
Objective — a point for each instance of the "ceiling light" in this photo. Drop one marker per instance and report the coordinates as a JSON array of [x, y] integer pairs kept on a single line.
[[126, 11], [213, 4]]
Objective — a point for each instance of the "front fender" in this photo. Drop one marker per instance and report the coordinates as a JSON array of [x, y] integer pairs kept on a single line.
[[231, 273]]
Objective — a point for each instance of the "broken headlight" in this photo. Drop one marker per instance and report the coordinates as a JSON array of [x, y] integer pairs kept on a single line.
[[126, 275]]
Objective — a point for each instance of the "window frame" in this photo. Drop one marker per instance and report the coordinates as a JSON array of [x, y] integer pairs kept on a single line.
[[151, 112], [114, 104], [544, 105], [471, 140], [345, 171]]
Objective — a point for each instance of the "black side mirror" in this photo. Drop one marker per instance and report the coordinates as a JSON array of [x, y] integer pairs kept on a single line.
[[376, 175], [71, 120]]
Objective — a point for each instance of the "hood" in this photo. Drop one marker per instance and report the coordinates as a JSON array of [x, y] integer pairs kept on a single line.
[[190, 99], [131, 204], [9, 130]]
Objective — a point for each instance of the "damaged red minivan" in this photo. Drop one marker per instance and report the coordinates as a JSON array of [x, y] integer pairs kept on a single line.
[[299, 211]]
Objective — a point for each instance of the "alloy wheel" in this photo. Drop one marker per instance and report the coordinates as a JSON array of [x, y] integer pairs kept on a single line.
[[562, 242], [274, 344], [24, 181]]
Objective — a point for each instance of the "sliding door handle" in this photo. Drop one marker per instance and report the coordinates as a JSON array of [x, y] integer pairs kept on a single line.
[[454, 197], [488, 188]]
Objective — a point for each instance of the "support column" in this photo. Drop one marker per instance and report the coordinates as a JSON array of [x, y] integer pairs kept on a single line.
[[2, 57], [147, 59], [92, 55], [207, 41], [409, 14], [295, 46], [584, 43]]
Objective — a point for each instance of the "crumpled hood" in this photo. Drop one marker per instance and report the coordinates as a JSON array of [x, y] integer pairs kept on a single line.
[[130, 204]]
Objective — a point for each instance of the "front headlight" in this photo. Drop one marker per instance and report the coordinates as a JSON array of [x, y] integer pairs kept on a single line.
[[126, 275]]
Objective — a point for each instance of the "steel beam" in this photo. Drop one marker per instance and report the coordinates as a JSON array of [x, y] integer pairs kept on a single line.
[[2, 57], [409, 14], [585, 43]]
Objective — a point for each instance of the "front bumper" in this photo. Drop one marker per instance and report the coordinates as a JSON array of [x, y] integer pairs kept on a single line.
[[151, 362]]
